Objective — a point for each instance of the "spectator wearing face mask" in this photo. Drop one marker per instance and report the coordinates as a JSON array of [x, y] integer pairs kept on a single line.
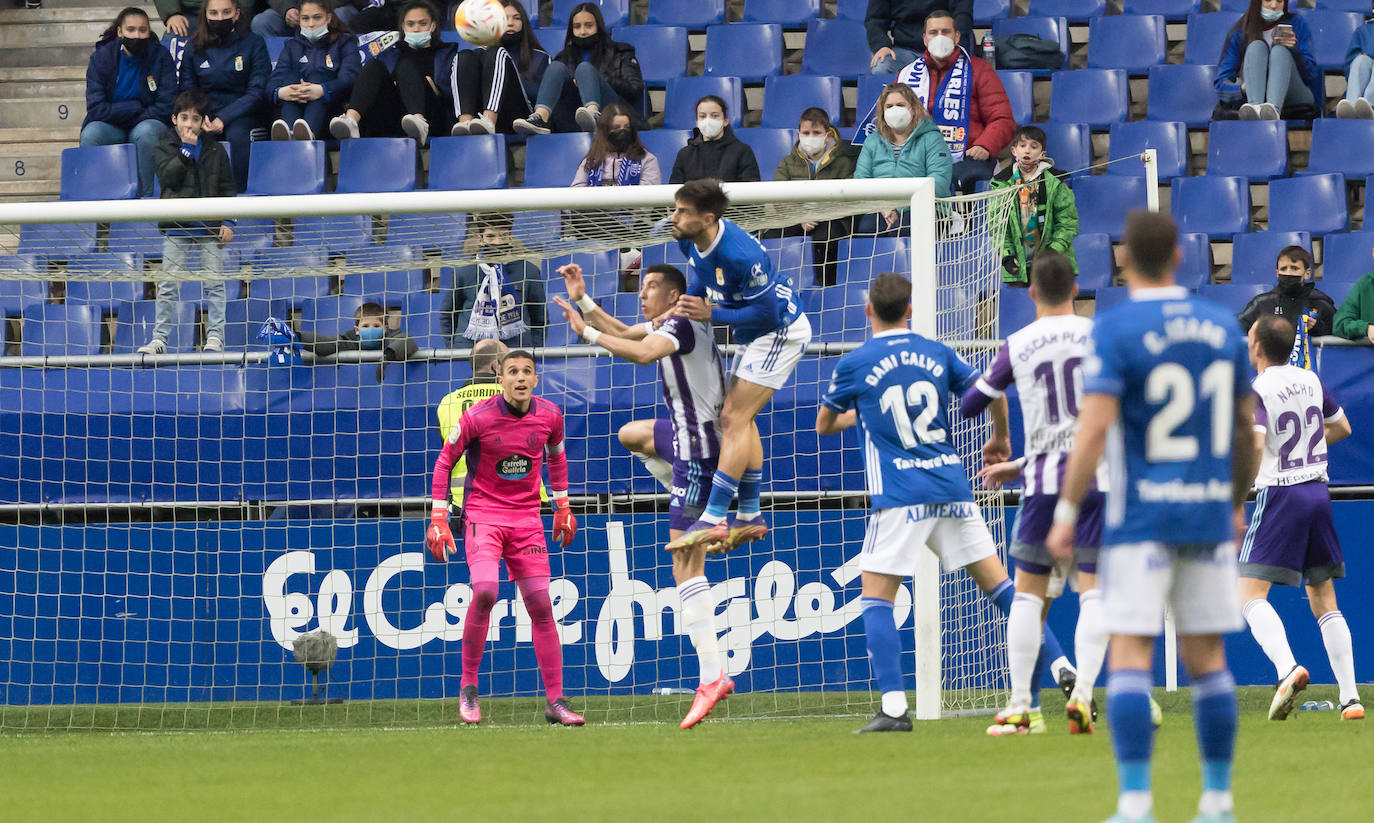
[[820, 153], [314, 74], [499, 297], [493, 87], [1270, 51], [617, 157], [369, 333], [713, 151], [282, 18], [894, 29], [130, 86], [1294, 297], [1359, 74], [905, 144]]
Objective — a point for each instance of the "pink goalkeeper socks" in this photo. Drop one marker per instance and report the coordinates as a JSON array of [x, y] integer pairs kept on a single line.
[[475, 629], [547, 648]]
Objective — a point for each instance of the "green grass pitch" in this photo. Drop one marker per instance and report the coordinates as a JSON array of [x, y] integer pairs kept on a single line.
[[303, 765]]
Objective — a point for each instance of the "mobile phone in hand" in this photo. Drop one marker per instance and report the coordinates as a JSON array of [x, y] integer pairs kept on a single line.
[[1283, 30]]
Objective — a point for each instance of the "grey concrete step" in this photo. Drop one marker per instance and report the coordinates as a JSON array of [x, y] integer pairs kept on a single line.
[[29, 55], [51, 112], [67, 135], [43, 74], [49, 15], [66, 33], [42, 89], [12, 190]]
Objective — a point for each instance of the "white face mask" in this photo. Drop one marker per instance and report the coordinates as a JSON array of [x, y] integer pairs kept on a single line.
[[1270, 15], [710, 127], [940, 47], [898, 117], [811, 145]]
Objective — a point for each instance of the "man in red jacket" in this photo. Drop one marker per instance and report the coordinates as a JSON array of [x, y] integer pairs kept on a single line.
[[966, 99]]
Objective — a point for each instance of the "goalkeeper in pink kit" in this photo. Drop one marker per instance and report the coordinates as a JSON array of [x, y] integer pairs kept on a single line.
[[506, 438]]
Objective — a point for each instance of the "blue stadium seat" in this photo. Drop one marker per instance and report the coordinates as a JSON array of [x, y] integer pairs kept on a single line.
[[863, 258], [56, 241], [428, 232], [749, 51], [1253, 149], [694, 14], [1341, 146], [1169, 140], [1070, 145], [330, 315], [1195, 269], [552, 38], [987, 11], [105, 294], [1171, 9], [1014, 311], [1098, 97], [1331, 31], [286, 260], [286, 167], [1095, 262], [601, 271], [870, 86], [1075, 11], [1106, 298], [243, 320], [1019, 86], [1182, 93], [1254, 255], [1050, 28], [615, 12], [1343, 5], [420, 319], [785, 98], [838, 47], [851, 10], [1206, 37], [1133, 42], [1103, 202], [100, 173], [463, 163], [274, 48], [18, 295], [376, 164], [383, 257], [680, 109], [1348, 256], [194, 291], [134, 326], [292, 292], [664, 144], [1232, 296], [770, 147], [61, 330], [666, 44], [793, 256], [790, 13], [665, 253], [385, 287], [338, 234], [551, 159], [1212, 204], [1238, 6], [136, 238], [837, 314], [1314, 203]]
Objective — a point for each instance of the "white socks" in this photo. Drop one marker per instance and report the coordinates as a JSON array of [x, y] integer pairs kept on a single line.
[[698, 617], [1089, 643], [1267, 628], [658, 467], [1023, 644], [1336, 636], [894, 704]]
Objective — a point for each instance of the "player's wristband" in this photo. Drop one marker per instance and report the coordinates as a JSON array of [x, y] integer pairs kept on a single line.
[[1065, 512], [591, 335], [648, 326], [586, 304], [439, 511]]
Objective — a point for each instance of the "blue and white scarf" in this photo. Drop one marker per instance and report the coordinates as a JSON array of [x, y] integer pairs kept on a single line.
[[496, 312], [952, 105], [373, 43], [626, 174]]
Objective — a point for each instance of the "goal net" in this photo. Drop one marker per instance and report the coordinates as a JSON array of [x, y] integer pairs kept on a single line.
[[178, 528]]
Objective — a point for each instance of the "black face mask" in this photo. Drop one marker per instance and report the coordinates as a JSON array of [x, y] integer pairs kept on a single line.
[[512, 41], [136, 46], [585, 43], [1293, 285], [220, 29], [621, 139]]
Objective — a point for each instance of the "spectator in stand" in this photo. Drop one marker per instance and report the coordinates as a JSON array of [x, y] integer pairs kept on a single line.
[[397, 92], [1359, 74], [314, 74], [231, 69], [974, 115], [1354, 320], [1045, 217], [617, 157], [494, 300], [895, 27], [282, 18], [181, 17], [492, 87], [369, 333], [192, 163], [906, 144], [602, 70], [820, 153], [713, 151], [1270, 51], [1294, 296], [130, 85]]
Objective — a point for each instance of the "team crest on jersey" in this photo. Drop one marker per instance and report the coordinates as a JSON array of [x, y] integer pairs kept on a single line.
[[152, 84], [238, 63], [329, 61], [720, 277], [514, 467]]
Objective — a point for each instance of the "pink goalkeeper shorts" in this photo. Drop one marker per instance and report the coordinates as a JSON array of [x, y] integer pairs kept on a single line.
[[520, 543]]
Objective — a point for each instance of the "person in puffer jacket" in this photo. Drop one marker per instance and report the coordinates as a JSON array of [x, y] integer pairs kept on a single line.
[[1045, 215], [907, 143], [314, 74], [713, 151]]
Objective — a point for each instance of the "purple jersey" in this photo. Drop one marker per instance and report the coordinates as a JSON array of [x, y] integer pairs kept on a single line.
[[693, 387], [1292, 409]]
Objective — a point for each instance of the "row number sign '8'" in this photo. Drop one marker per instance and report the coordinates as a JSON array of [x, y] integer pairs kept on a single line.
[[63, 113]]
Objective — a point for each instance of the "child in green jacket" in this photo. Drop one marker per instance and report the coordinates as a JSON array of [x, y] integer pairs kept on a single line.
[[1044, 215]]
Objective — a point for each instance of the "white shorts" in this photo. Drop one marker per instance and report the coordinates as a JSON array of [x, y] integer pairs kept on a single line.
[[954, 531], [1199, 583], [769, 360]]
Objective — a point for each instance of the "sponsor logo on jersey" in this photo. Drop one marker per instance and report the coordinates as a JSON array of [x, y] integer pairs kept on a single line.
[[514, 467]]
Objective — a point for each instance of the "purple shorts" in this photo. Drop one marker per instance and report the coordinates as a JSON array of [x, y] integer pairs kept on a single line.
[[691, 479], [1291, 536], [1033, 523]]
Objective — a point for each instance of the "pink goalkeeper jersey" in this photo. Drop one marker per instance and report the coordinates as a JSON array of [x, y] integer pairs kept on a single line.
[[505, 451]]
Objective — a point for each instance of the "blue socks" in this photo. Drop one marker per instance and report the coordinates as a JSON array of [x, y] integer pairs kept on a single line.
[[723, 489], [1050, 650], [1002, 596], [1037, 673], [1128, 708], [884, 649], [1215, 713], [750, 484]]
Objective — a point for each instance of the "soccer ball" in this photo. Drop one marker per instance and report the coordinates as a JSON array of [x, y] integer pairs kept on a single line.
[[480, 22]]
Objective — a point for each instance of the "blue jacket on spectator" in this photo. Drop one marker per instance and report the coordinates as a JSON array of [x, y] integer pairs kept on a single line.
[[157, 87], [1234, 55], [1361, 42], [234, 76], [334, 66]]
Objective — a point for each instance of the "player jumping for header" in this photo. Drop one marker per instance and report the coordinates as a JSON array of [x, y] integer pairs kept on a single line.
[[1291, 536], [728, 266], [505, 440], [897, 388], [693, 387], [1169, 378]]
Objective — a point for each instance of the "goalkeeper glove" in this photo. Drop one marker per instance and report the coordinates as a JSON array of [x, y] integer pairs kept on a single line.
[[564, 524], [439, 535]]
